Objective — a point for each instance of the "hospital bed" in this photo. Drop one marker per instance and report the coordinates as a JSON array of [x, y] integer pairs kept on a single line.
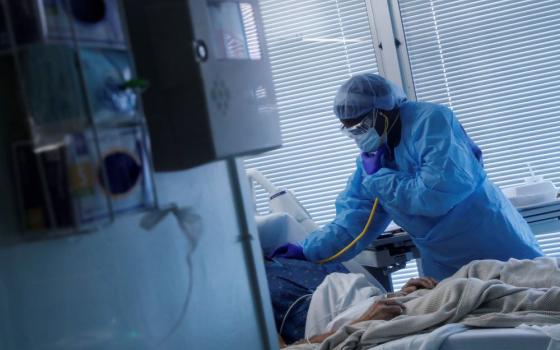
[[497, 339], [500, 338], [485, 339], [393, 249], [387, 254]]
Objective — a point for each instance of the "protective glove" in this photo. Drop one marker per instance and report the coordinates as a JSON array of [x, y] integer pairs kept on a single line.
[[372, 162], [289, 251]]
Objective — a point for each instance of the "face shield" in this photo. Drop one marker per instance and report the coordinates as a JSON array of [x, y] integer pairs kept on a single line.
[[357, 130]]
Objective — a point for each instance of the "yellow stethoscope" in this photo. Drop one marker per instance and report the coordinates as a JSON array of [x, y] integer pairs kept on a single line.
[[353, 243], [370, 218]]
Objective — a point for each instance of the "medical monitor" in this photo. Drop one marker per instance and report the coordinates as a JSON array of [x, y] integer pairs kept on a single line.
[[210, 93]]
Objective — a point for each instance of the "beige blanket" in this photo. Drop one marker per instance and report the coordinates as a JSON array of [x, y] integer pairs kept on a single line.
[[484, 293]]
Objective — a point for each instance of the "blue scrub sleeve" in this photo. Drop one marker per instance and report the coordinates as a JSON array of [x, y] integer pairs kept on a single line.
[[352, 212], [447, 171]]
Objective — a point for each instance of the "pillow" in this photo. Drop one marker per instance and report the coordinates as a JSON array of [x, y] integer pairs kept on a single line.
[[276, 229]]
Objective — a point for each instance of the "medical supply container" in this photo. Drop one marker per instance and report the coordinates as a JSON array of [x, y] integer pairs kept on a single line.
[[534, 191]]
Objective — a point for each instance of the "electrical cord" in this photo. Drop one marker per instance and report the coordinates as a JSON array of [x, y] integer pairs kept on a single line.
[[290, 309], [185, 219], [185, 306], [188, 223]]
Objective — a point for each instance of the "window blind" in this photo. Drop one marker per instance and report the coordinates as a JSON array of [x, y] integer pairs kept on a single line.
[[497, 65], [314, 46]]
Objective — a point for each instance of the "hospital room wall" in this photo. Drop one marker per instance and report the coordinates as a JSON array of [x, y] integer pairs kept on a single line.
[[123, 288]]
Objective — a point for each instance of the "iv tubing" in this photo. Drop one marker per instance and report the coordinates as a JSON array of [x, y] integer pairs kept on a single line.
[[351, 244]]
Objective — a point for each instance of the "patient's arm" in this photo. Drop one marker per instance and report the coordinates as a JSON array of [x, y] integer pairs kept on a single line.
[[385, 309]]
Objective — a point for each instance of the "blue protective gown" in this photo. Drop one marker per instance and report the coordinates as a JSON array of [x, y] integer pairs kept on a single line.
[[436, 189]]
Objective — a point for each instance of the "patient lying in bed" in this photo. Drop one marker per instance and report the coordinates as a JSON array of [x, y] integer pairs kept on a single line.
[[484, 293], [331, 293], [293, 282]]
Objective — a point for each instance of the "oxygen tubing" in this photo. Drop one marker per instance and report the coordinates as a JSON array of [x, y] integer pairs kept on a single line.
[[351, 244]]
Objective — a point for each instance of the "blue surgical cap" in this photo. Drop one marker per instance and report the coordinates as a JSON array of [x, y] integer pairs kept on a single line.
[[365, 92]]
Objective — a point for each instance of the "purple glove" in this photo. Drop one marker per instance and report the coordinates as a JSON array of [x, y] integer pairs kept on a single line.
[[289, 251], [372, 162]]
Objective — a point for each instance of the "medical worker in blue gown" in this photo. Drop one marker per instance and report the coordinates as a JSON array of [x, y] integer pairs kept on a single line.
[[429, 178]]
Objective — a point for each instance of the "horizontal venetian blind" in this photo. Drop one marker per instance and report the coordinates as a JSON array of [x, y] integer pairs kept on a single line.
[[314, 46], [497, 65]]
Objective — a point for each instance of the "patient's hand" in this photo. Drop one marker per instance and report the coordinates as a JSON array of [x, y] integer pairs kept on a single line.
[[384, 309], [414, 284]]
